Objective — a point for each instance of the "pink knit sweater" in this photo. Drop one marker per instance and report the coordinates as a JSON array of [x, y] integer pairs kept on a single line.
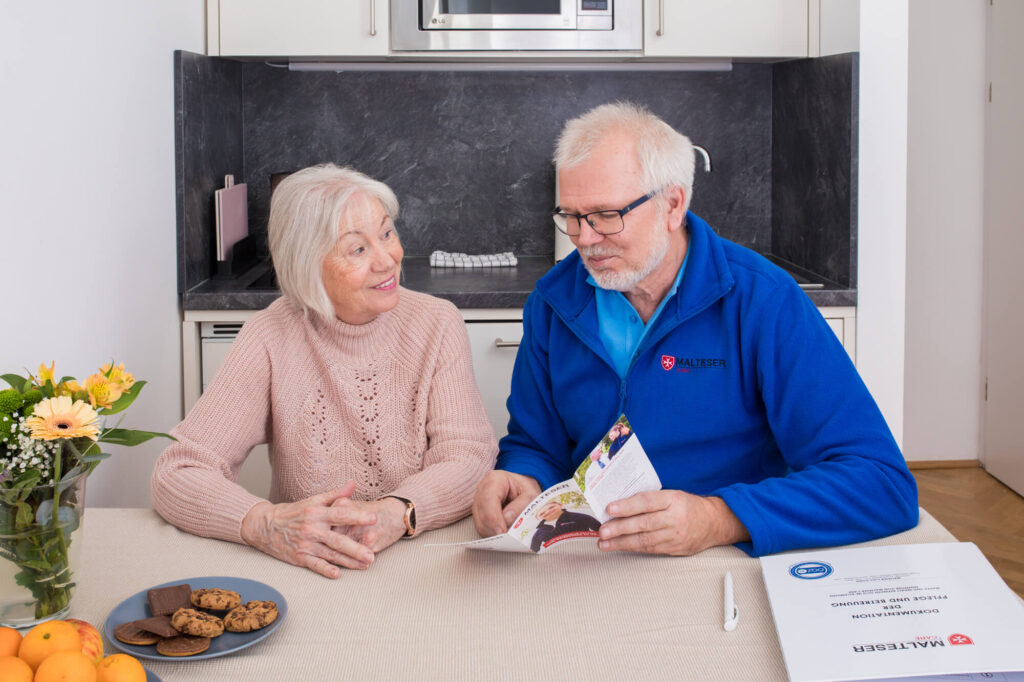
[[391, 404]]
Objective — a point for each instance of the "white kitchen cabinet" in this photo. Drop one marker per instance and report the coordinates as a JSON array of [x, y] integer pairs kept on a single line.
[[298, 28], [726, 28], [494, 336], [833, 27], [494, 343], [843, 321]]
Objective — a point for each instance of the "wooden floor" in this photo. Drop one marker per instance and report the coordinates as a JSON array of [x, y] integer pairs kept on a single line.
[[975, 507]]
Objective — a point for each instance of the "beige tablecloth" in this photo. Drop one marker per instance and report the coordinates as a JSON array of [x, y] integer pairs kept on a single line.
[[444, 613]]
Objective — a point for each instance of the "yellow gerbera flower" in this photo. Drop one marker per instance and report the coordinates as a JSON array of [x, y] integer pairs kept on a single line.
[[117, 375], [46, 374], [58, 417], [102, 391]]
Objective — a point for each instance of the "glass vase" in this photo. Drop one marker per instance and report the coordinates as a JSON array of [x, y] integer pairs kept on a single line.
[[40, 547]]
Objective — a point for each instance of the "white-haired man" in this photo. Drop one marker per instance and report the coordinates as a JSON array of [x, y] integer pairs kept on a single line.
[[756, 421]]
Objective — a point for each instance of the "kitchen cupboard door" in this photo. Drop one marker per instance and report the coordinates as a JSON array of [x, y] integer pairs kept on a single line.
[[494, 346], [255, 473], [725, 28], [299, 28], [843, 322]]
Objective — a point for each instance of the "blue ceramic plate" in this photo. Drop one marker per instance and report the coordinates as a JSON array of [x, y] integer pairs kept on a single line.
[[136, 607]]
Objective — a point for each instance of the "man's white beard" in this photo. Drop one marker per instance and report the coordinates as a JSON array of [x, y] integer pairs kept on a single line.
[[626, 280]]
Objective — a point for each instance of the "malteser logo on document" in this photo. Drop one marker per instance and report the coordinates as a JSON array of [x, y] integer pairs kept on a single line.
[[959, 639], [684, 364]]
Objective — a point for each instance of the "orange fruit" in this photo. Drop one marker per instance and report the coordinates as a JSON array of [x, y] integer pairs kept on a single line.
[[10, 640], [48, 638], [13, 669], [120, 668], [66, 666]]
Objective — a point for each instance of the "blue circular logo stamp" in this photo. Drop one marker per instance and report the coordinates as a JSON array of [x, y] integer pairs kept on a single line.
[[810, 570]]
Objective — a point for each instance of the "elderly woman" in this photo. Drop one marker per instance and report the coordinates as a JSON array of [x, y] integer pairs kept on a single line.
[[364, 391]]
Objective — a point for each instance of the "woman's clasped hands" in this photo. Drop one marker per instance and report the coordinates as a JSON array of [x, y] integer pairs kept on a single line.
[[313, 532]]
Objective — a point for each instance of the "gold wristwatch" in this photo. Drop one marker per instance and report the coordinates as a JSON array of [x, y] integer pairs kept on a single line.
[[410, 515]]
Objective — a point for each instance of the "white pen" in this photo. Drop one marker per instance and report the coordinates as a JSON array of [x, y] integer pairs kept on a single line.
[[730, 612]]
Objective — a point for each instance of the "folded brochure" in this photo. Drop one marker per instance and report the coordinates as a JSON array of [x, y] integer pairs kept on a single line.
[[615, 469]]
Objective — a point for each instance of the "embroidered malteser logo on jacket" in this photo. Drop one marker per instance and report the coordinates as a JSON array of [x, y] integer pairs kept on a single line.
[[684, 364]]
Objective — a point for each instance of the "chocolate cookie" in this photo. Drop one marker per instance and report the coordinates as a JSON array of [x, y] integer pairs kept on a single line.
[[129, 633], [215, 599], [163, 601], [183, 645], [158, 625], [253, 616], [197, 623]]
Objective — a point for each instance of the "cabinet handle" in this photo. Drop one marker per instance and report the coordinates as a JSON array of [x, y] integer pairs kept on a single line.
[[373, 17], [501, 343], [661, 18]]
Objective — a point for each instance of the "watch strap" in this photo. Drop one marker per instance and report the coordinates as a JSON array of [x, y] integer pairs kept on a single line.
[[410, 515]]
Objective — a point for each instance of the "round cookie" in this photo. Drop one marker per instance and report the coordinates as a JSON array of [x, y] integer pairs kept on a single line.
[[252, 616], [183, 646], [130, 634], [215, 599], [197, 623]]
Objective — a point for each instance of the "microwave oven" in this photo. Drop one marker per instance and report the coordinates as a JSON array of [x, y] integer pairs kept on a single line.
[[516, 25]]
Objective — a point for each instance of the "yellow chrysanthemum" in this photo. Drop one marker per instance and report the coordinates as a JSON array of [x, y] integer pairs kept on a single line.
[[118, 376], [102, 391], [46, 374], [58, 417]]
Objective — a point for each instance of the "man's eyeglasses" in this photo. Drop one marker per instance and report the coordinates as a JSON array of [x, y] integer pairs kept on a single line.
[[605, 222]]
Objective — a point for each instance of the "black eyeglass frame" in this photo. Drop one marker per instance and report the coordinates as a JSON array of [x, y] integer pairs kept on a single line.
[[580, 217]]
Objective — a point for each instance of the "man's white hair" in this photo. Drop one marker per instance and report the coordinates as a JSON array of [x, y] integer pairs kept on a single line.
[[306, 211], [665, 155]]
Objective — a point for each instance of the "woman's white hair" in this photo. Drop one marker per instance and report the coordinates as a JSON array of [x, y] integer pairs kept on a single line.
[[665, 155], [306, 211]]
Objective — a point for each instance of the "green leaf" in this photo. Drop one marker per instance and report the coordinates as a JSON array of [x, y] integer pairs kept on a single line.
[[24, 484], [95, 456], [27, 478], [24, 517], [65, 379], [16, 381], [126, 399], [40, 566], [130, 437], [6, 522]]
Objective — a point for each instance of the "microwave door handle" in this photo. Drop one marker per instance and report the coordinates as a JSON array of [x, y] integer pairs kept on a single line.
[[661, 18], [373, 17]]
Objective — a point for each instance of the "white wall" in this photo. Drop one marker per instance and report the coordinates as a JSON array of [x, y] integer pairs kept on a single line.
[[944, 386], [87, 215], [882, 204]]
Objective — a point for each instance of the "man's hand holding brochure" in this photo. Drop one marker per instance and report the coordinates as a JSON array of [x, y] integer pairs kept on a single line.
[[616, 468]]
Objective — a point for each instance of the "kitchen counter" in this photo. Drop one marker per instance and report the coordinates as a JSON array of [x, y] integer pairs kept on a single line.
[[465, 287]]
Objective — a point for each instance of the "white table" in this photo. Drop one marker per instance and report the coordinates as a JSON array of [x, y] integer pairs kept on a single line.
[[439, 613]]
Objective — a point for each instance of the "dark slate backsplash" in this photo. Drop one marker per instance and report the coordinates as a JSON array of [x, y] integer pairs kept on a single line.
[[814, 165], [468, 153], [208, 146]]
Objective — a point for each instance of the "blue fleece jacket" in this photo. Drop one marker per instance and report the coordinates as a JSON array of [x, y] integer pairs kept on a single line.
[[740, 390]]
